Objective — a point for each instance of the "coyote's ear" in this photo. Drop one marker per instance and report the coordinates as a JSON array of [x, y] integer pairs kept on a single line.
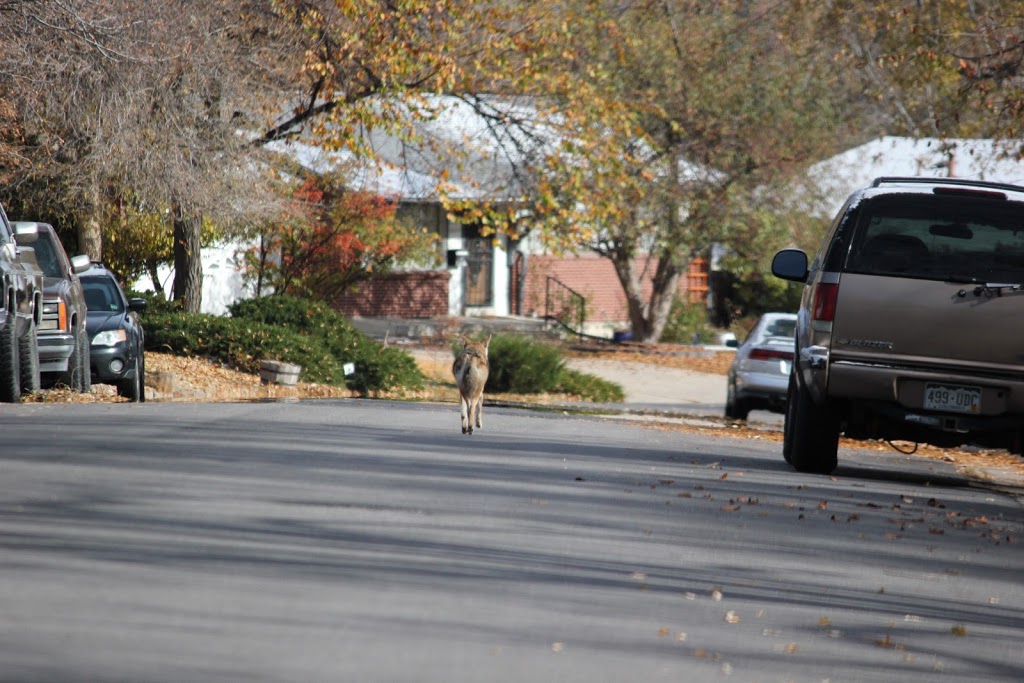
[[487, 342]]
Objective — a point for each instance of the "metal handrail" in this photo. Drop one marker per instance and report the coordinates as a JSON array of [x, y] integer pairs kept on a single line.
[[564, 303]]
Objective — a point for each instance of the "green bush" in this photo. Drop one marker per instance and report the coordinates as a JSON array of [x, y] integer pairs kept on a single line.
[[292, 330], [240, 344], [378, 368], [590, 387], [687, 323], [519, 365]]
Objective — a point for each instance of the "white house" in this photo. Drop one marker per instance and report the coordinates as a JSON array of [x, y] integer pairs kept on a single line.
[[855, 168]]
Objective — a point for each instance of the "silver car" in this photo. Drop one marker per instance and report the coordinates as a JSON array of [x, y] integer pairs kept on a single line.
[[759, 375]]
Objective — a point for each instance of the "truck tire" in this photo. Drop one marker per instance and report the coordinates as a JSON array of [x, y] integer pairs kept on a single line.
[[72, 377], [10, 372], [85, 361], [28, 353], [811, 434]]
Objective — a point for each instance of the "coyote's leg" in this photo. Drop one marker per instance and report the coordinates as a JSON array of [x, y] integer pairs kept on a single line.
[[479, 411], [464, 402]]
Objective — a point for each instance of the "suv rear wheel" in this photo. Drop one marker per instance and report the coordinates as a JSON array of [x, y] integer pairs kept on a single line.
[[811, 436]]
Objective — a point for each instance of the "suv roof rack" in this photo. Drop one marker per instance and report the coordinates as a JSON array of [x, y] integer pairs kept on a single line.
[[883, 180]]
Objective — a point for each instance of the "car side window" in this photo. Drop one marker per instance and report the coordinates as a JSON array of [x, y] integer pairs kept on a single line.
[[47, 258], [6, 229]]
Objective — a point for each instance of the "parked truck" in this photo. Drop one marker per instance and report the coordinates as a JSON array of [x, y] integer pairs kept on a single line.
[[21, 306]]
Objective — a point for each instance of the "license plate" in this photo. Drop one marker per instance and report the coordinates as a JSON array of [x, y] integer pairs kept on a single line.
[[952, 398]]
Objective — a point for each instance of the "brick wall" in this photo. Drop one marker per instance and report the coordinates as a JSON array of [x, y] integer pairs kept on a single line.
[[416, 294], [593, 277]]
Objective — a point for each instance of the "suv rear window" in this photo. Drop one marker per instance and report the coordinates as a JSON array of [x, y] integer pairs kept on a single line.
[[941, 237]]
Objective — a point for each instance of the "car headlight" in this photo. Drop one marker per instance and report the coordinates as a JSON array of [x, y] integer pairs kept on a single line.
[[110, 338]]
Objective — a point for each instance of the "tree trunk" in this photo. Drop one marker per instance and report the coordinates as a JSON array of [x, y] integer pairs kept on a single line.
[[188, 265], [636, 305], [90, 234], [647, 317], [153, 269], [663, 293]]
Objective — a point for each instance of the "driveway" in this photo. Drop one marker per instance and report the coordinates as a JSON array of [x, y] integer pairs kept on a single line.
[[659, 388]]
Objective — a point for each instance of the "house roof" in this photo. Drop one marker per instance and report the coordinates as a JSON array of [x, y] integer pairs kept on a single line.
[[477, 144], [466, 148], [978, 159]]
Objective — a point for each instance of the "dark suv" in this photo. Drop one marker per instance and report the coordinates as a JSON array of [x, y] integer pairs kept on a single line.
[[911, 324], [62, 338], [116, 335]]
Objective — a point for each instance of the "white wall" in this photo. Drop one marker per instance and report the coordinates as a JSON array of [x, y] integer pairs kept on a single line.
[[222, 279]]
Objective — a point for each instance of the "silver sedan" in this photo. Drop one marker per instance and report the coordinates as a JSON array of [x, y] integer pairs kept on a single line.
[[759, 375]]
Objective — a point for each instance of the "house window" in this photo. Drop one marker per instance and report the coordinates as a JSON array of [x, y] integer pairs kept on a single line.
[[478, 273]]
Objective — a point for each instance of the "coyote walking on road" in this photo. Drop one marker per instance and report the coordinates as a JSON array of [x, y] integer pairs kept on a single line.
[[470, 369]]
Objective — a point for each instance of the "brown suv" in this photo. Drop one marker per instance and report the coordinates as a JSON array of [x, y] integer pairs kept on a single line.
[[911, 324]]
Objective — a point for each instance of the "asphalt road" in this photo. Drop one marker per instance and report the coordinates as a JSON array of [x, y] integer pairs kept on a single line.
[[370, 541]]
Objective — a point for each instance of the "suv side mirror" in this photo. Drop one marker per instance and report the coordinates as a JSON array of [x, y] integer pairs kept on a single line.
[[137, 304], [790, 264]]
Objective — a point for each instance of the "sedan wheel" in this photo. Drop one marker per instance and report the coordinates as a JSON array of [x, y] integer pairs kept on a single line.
[[735, 408], [131, 388]]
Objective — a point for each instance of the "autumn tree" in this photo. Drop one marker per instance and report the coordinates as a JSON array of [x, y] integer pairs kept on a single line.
[[130, 99], [940, 68], [681, 122], [334, 239]]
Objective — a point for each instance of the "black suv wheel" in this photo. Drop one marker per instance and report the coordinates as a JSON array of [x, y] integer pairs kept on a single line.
[[811, 436]]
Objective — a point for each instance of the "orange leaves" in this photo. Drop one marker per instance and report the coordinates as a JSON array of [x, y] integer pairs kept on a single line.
[[337, 239]]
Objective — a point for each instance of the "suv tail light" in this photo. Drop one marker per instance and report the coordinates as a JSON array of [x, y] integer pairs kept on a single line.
[[770, 354], [825, 296]]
